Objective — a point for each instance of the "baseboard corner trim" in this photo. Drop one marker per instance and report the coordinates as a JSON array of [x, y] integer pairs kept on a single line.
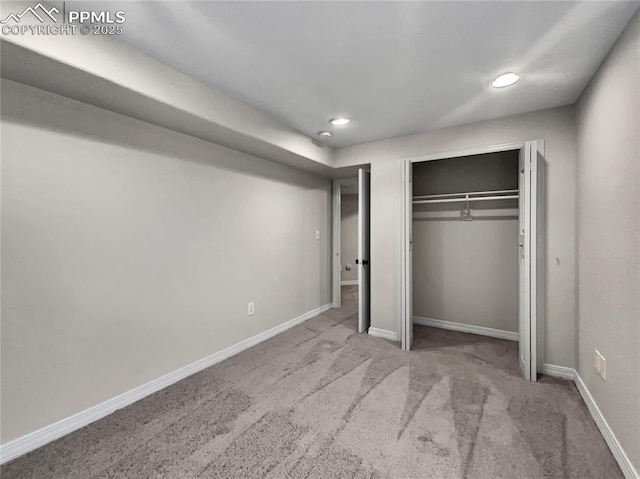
[[383, 333], [33, 440], [610, 438], [349, 282], [559, 371], [466, 328], [615, 447]]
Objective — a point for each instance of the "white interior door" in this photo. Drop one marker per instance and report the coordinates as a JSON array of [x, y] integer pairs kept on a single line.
[[524, 226], [531, 257], [364, 200], [406, 202], [536, 280]]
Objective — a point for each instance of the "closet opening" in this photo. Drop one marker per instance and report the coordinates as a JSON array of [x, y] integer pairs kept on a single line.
[[465, 244], [471, 248]]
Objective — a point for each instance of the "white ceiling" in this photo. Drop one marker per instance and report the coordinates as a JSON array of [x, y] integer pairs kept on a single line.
[[395, 67]]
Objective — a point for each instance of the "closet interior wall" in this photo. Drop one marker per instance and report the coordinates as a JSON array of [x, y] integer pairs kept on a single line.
[[466, 271]]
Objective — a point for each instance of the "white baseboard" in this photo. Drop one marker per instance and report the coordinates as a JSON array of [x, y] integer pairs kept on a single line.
[[559, 371], [466, 328], [616, 448], [607, 433], [351, 282], [40, 437], [384, 334]]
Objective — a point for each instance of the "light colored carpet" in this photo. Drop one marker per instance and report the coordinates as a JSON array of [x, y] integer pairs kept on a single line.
[[322, 401]]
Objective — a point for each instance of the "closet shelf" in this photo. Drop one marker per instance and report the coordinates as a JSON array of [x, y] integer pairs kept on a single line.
[[467, 197]]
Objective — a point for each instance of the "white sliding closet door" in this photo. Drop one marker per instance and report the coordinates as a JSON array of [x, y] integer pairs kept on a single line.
[[364, 276], [537, 255], [406, 293], [530, 241], [524, 185]]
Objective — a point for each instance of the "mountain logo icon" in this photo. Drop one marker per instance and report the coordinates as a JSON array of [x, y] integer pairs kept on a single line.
[[34, 11]]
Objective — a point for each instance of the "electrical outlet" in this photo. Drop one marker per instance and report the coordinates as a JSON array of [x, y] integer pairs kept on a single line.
[[600, 365], [317, 234], [251, 309]]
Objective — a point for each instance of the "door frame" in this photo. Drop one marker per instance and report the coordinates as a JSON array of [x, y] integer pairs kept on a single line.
[[534, 321], [336, 253]]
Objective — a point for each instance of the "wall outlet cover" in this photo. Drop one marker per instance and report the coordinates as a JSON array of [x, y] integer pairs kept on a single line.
[[251, 309], [600, 364]]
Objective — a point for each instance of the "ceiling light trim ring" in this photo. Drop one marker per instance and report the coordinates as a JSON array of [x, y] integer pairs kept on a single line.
[[505, 80], [340, 121]]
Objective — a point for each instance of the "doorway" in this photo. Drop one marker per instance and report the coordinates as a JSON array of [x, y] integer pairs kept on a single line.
[[521, 193], [351, 245]]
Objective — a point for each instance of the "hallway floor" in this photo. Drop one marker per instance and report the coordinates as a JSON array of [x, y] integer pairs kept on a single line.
[[322, 401]]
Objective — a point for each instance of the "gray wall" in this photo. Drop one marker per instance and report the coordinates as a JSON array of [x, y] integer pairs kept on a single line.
[[349, 236], [467, 271], [129, 251], [608, 237], [557, 128], [486, 172]]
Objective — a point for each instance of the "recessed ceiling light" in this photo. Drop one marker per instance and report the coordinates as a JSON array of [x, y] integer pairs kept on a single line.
[[505, 79], [324, 133], [340, 121]]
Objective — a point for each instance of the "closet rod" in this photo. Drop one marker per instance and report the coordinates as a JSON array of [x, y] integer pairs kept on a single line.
[[449, 195], [461, 200]]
